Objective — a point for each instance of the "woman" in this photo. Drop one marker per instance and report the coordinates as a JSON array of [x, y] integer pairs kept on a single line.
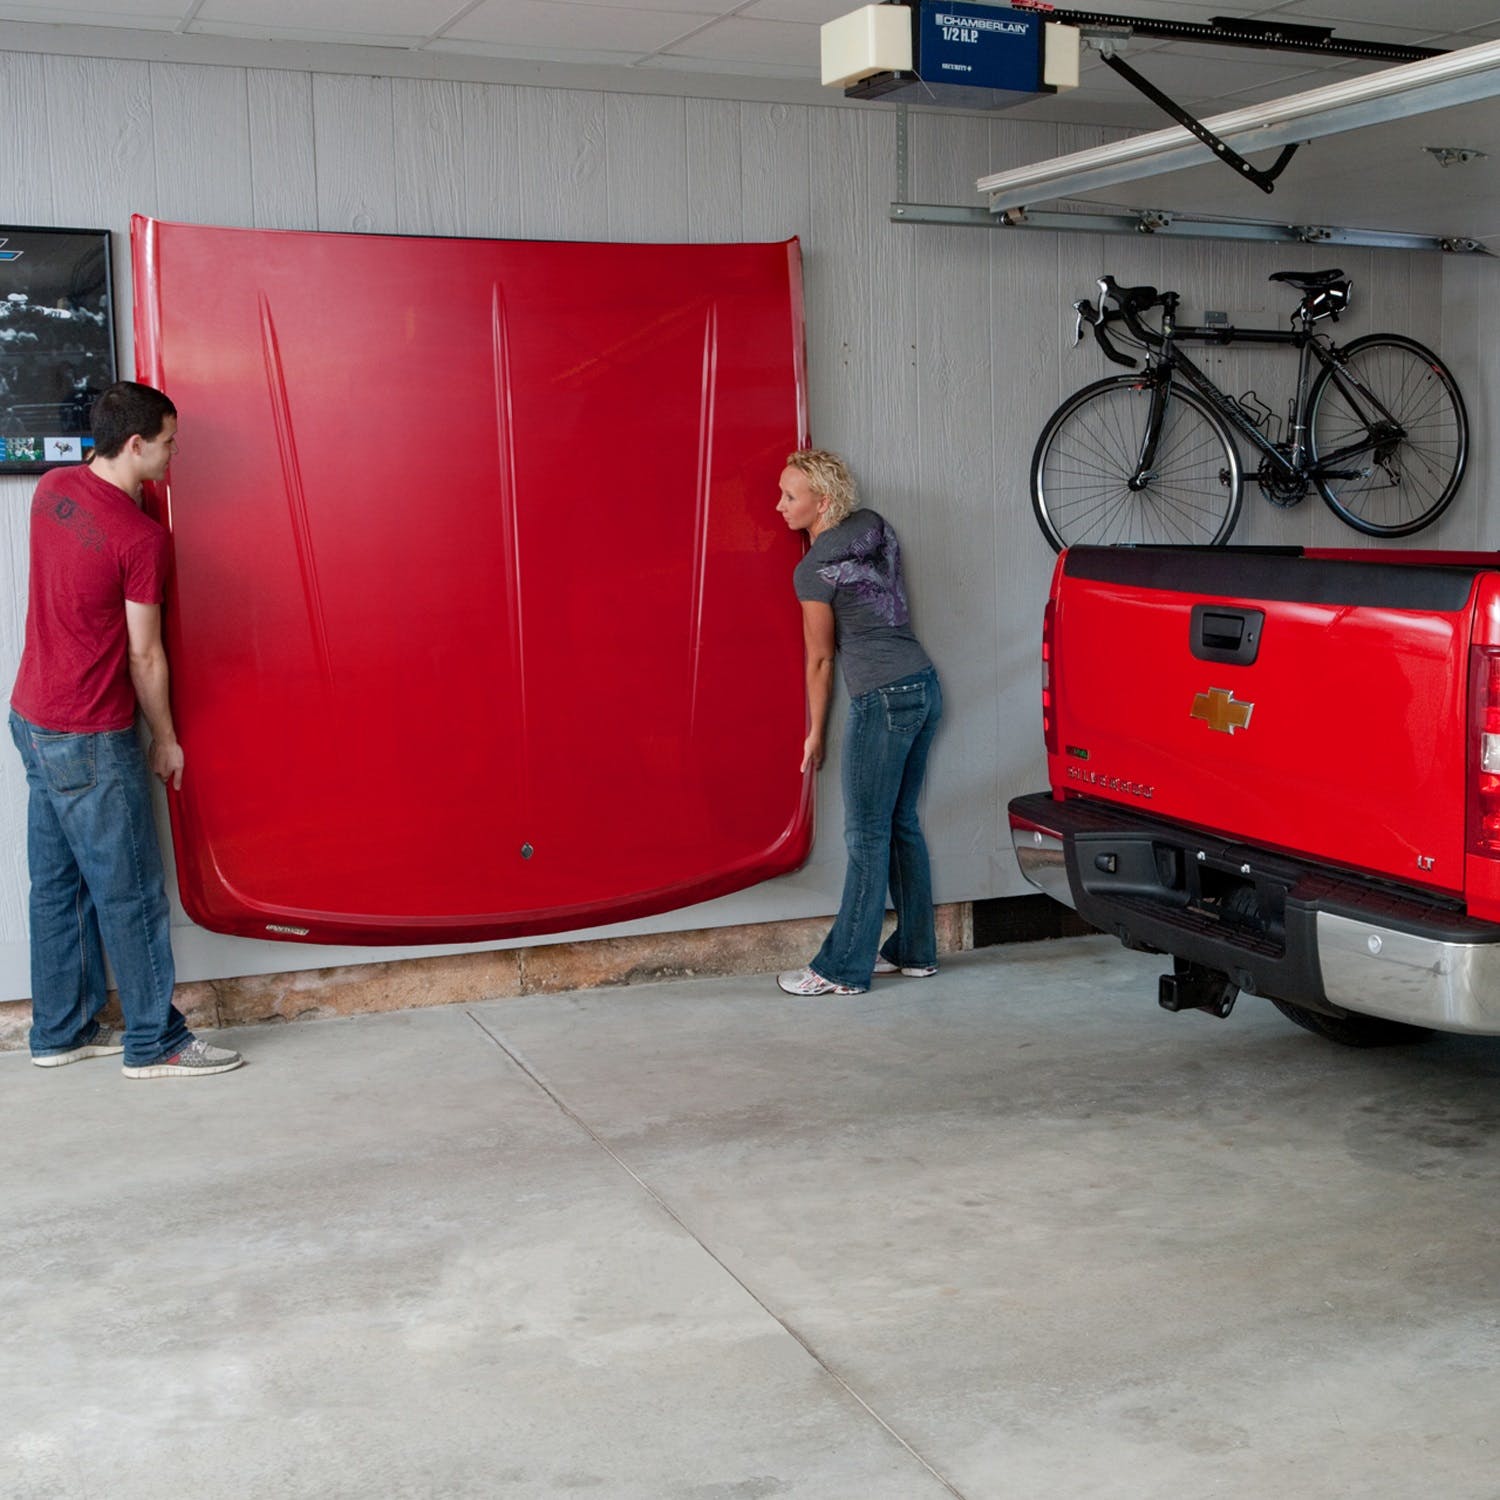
[[854, 605]]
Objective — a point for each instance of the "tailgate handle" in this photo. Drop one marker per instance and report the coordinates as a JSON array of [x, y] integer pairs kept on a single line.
[[1222, 633]]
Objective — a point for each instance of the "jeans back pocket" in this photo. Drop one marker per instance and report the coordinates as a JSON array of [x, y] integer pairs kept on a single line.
[[67, 760], [905, 706]]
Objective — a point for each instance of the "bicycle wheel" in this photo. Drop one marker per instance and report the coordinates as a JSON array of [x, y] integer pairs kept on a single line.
[[1087, 454], [1392, 407]]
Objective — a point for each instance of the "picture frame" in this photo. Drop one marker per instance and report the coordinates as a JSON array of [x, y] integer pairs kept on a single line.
[[57, 343]]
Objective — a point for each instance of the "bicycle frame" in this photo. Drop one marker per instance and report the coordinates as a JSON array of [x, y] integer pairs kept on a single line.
[[1376, 427], [1165, 361]]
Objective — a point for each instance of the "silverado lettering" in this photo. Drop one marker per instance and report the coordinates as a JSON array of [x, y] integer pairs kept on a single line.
[[1111, 783]]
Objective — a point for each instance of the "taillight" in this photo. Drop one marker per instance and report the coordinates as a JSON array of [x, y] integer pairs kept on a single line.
[[1484, 751], [1049, 680]]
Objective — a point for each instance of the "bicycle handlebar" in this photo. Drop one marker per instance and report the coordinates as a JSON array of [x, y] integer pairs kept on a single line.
[[1098, 321], [1130, 302]]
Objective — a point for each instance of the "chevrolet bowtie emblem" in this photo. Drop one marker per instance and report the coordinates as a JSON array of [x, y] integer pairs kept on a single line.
[[1219, 711]]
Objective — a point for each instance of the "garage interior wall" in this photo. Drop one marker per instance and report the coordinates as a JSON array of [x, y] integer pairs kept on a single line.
[[934, 354]]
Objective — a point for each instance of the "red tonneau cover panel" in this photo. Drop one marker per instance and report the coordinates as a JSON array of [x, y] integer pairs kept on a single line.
[[481, 619]]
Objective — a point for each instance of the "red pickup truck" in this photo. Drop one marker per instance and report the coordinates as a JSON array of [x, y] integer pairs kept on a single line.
[[1281, 767]]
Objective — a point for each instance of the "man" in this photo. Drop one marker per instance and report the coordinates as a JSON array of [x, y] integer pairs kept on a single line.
[[93, 652]]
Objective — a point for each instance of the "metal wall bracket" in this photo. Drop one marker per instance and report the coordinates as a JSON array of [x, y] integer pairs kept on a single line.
[[1454, 156], [1181, 227]]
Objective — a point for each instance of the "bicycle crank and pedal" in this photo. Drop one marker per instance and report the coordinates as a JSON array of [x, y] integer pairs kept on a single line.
[[1281, 486]]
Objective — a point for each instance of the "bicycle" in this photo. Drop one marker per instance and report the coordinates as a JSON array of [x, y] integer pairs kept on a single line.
[[1381, 429]]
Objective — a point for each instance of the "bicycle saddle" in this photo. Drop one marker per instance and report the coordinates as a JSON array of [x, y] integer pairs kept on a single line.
[[1308, 281]]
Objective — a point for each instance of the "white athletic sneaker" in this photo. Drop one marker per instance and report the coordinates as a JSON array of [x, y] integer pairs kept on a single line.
[[912, 971], [805, 982], [105, 1044]]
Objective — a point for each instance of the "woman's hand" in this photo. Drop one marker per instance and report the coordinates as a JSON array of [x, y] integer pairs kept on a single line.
[[812, 751]]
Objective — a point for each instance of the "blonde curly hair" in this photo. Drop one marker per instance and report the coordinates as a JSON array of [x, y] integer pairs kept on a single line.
[[829, 477]]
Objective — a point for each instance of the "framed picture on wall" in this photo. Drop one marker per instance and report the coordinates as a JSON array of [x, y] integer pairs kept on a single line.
[[57, 343]]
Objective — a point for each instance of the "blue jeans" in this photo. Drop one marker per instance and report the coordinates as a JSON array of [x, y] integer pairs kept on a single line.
[[96, 872], [886, 741]]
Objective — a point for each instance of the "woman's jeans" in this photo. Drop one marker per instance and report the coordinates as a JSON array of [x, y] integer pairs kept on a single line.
[[96, 872], [885, 757]]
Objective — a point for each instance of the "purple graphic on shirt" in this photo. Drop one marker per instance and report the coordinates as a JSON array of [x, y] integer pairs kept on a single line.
[[870, 568]]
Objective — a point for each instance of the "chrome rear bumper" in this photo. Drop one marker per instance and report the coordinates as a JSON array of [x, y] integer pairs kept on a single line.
[[1415, 972], [1043, 861], [1405, 976]]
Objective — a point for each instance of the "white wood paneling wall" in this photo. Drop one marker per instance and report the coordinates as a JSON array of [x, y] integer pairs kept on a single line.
[[934, 354]]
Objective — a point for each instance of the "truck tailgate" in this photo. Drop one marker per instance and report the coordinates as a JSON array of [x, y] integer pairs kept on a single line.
[[1289, 701]]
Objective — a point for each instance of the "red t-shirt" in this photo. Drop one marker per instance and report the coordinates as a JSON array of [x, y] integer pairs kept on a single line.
[[91, 550]]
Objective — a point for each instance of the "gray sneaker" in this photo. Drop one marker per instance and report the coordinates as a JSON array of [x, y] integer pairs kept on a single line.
[[105, 1044], [196, 1060], [912, 971]]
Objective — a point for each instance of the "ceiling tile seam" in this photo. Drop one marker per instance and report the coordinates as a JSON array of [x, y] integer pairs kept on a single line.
[[638, 57], [192, 15], [1428, 38], [687, 36]]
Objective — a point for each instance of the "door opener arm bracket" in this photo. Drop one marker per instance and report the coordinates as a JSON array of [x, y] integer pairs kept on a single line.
[[1264, 180]]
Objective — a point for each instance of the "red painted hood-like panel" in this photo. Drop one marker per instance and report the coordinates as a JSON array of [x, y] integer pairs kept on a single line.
[[481, 620]]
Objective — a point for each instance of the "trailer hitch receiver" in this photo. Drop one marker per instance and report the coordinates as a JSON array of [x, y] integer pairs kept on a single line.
[[1192, 986]]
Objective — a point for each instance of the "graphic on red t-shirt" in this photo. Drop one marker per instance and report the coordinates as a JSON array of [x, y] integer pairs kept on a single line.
[[91, 550]]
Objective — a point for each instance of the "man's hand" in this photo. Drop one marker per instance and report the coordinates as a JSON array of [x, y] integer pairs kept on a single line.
[[812, 751], [166, 762]]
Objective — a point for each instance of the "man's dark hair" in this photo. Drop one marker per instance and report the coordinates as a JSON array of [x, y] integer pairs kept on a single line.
[[124, 410]]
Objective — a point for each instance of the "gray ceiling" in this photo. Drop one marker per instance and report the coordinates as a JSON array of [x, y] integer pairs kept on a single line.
[[1377, 177], [779, 38]]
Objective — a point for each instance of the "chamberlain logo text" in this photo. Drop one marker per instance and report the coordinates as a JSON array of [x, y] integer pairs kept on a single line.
[[975, 24]]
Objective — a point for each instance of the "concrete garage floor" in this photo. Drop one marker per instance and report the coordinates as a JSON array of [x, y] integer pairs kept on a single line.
[[1013, 1232]]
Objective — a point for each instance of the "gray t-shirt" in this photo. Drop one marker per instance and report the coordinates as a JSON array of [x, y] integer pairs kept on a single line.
[[856, 567]]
